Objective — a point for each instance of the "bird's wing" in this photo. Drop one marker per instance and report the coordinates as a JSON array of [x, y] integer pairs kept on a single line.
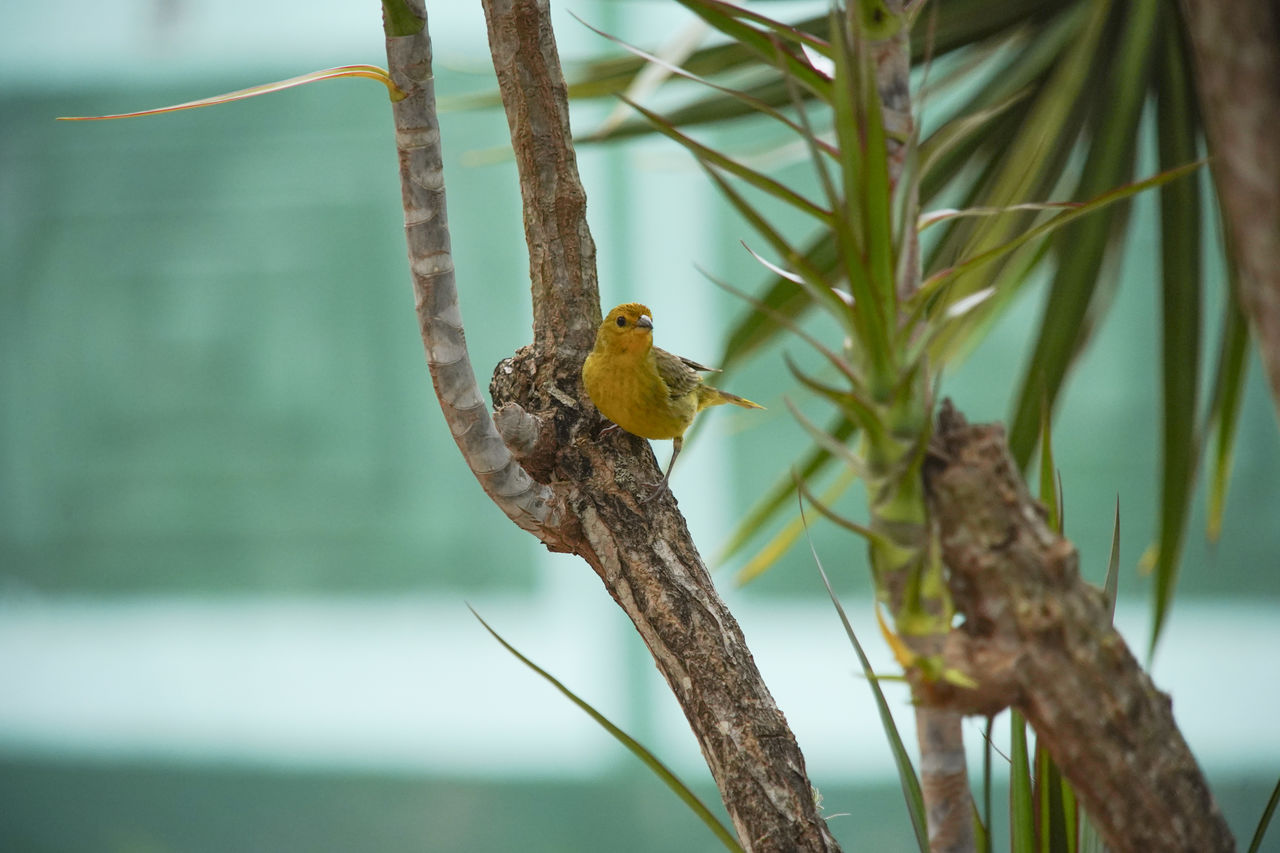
[[679, 374]]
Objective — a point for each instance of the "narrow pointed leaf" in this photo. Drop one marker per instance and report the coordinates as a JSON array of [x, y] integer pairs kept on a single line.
[[1048, 492], [839, 520], [1224, 411], [826, 442], [907, 777], [763, 44], [775, 548], [800, 34], [813, 463], [1111, 585], [1255, 846], [758, 328], [1180, 309], [753, 103], [371, 72], [650, 760], [852, 231], [987, 748], [756, 179], [1022, 830], [851, 403], [840, 364], [1065, 324]]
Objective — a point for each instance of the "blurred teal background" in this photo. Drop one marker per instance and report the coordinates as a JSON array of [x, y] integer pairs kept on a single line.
[[237, 542]]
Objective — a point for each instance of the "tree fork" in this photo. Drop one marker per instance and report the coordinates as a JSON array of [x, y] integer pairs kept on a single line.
[[574, 491]]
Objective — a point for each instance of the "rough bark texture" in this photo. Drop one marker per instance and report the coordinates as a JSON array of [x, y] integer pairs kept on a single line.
[[1037, 637], [584, 495], [1237, 69]]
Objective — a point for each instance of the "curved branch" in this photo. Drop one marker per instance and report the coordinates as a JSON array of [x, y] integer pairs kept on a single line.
[[531, 505]]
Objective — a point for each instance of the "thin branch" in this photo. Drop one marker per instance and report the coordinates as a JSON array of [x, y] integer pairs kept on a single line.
[[531, 505]]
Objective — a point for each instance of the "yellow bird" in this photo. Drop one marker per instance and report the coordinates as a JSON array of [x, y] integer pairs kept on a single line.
[[646, 390]]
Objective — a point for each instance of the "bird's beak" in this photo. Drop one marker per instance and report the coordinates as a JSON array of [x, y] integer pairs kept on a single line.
[[644, 322]]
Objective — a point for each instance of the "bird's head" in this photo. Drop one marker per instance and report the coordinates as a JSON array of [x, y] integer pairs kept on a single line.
[[627, 329]]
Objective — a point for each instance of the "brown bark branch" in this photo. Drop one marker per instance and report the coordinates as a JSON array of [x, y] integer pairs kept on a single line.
[[1038, 637], [585, 490], [1237, 69]]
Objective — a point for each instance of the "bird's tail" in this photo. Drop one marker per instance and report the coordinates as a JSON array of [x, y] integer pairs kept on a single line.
[[708, 396]]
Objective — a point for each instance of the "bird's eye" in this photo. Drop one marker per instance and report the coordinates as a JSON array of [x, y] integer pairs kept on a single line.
[[622, 321]]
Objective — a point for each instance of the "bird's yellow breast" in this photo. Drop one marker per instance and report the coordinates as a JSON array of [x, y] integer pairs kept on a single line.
[[628, 390]]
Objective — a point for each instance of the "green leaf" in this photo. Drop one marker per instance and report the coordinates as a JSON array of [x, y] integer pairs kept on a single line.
[[798, 33], [1255, 846], [1111, 585], [757, 328], [852, 403], [1048, 485], [1066, 325], [1180, 219], [813, 463], [1022, 829], [1042, 140], [859, 133], [845, 369], [1224, 410], [906, 772], [651, 761], [756, 179], [764, 45], [826, 442], [1082, 209], [987, 748], [831, 515], [949, 26], [750, 104], [1057, 804], [773, 550]]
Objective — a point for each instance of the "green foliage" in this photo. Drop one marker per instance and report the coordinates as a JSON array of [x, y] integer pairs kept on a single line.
[[907, 777], [1052, 99]]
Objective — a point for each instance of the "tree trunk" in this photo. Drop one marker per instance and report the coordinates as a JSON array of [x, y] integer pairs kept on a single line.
[[1237, 69]]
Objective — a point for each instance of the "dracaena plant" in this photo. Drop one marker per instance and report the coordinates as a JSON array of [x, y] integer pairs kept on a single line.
[[1046, 104], [838, 86]]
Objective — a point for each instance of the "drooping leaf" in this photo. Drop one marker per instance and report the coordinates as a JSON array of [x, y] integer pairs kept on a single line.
[[813, 464], [757, 179], [907, 777], [1224, 410], [1264, 821], [1065, 326], [1111, 584], [1057, 804], [650, 760], [763, 44], [1022, 817], [371, 72], [1180, 273]]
